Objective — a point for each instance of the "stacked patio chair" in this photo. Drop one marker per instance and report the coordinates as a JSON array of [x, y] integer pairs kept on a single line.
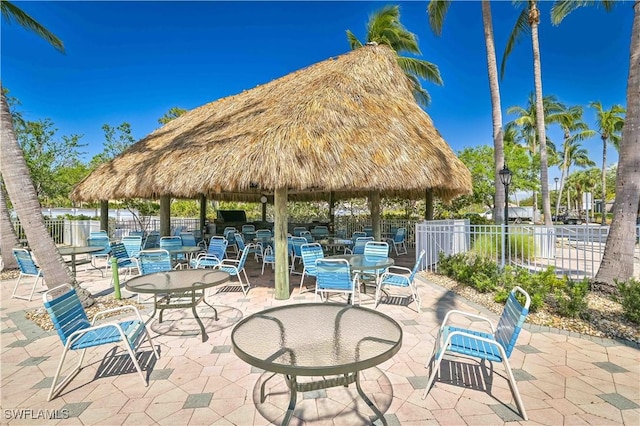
[[76, 332], [494, 346], [28, 268], [400, 277]]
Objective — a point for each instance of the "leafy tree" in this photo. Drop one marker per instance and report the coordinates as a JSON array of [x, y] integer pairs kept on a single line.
[[116, 140], [609, 123], [437, 11], [172, 114], [384, 27], [15, 174], [528, 22]]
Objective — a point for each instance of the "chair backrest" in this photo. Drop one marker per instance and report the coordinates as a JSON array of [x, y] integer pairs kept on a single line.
[[25, 261], [341, 233], [400, 235], [296, 245], [310, 253], [248, 228], [376, 249], [136, 233], [414, 271], [358, 234], [152, 241], [171, 243], [333, 274], [66, 311], [239, 239], [177, 230], [101, 233], [188, 239], [263, 233], [99, 241], [368, 230], [230, 234], [297, 230], [243, 256], [119, 251], [511, 320], [218, 247], [133, 244], [358, 247], [307, 235], [158, 260], [320, 231]]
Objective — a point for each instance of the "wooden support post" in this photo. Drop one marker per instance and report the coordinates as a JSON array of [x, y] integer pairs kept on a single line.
[[165, 216], [281, 244], [104, 215], [332, 213], [428, 208], [374, 197], [203, 213]]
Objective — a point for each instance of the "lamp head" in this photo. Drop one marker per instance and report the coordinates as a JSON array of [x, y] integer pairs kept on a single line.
[[263, 199], [505, 175]]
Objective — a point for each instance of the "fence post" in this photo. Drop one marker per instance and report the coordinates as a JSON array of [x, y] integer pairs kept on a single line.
[[504, 243]]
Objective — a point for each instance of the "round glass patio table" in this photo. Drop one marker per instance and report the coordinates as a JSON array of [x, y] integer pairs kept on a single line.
[[361, 263], [182, 288], [317, 339], [75, 250]]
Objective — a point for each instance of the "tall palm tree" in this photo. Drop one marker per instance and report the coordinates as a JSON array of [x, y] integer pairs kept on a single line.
[[617, 261], [527, 122], [16, 174], [528, 21], [609, 124], [575, 130], [437, 11], [384, 27]]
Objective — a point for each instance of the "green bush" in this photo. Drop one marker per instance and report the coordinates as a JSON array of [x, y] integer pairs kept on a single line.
[[521, 246], [630, 299], [572, 298], [478, 272]]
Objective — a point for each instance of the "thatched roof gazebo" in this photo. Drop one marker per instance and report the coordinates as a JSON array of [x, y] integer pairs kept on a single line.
[[347, 125]]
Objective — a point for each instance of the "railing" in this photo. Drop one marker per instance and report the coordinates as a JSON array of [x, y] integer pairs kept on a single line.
[[573, 250], [353, 223]]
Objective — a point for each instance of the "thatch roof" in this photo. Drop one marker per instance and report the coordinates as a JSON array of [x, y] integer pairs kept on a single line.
[[348, 124]]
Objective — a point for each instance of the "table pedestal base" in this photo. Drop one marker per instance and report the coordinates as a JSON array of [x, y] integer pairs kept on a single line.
[[181, 301], [295, 387]]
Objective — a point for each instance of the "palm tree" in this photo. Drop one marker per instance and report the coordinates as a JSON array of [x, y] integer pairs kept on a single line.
[[575, 130], [617, 261], [610, 129], [437, 11], [384, 27], [16, 175], [528, 21], [527, 121]]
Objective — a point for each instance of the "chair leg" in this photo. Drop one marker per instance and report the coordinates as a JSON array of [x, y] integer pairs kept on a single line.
[[416, 295], [435, 362], [514, 387], [56, 389]]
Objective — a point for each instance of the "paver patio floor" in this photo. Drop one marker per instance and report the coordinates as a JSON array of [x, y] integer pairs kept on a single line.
[[564, 378]]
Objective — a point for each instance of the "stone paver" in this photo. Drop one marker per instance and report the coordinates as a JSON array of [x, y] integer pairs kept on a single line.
[[563, 378]]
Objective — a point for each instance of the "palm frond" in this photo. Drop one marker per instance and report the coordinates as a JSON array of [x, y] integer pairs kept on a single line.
[[437, 10], [421, 96], [562, 8], [521, 27], [354, 43], [13, 13], [423, 69]]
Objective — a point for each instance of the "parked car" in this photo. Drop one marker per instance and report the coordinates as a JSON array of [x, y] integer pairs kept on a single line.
[[571, 218]]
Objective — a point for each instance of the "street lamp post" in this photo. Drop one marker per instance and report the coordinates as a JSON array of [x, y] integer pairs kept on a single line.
[[557, 197], [505, 178]]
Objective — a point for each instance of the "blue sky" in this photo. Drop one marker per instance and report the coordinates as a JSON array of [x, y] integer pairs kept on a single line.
[[132, 61]]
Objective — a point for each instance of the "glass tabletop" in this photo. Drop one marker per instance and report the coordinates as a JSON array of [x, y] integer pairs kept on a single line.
[[315, 339], [360, 262], [176, 281], [69, 250]]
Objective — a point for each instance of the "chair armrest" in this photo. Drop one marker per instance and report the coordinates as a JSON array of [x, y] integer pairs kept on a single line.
[[401, 270], [467, 315], [230, 262], [121, 308], [73, 336], [474, 337]]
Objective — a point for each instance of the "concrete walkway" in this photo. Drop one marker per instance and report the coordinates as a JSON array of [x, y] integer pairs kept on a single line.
[[563, 378]]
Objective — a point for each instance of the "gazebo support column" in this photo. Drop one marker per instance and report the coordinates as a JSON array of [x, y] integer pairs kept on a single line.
[[281, 243], [374, 198], [165, 216], [428, 208], [104, 215], [332, 213], [203, 213]]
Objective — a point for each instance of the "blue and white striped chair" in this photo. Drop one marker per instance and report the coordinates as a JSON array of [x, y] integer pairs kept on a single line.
[[216, 251], [124, 260], [401, 278], [296, 254], [156, 260], [133, 244], [495, 346], [236, 266], [310, 253], [76, 332], [102, 241], [334, 276], [398, 241], [358, 246], [28, 268]]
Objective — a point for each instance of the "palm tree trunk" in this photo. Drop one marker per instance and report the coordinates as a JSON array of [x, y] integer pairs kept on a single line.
[[562, 170], [8, 237], [617, 262], [604, 180], [534, 18], [496, 112], [25, 202]]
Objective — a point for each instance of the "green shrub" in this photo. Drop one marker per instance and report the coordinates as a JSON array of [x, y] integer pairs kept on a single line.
[[572, 298], [630, 299], [521, 246]]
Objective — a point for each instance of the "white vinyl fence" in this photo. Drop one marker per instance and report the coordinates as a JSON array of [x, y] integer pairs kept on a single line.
[[573, 250]]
